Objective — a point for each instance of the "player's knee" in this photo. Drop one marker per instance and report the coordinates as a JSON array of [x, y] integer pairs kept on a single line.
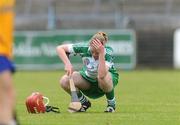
[[102, 79], [75, 77], [105, 88], [7, 90], [103, 85], [64, 82], [6, 86]]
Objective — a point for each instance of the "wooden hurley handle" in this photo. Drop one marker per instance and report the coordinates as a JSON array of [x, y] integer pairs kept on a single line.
[[72, 86], [74, 97]]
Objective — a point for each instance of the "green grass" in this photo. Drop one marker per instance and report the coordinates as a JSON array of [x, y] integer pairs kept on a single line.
[[144, 97]]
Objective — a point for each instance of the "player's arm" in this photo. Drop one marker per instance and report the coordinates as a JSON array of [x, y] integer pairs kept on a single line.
[[62, 51], [103, 67], [105, 62]]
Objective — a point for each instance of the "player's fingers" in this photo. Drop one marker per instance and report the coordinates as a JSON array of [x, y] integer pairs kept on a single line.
[[94, 46], [95, 42], [70, 72], [98, 41], [67, 73]]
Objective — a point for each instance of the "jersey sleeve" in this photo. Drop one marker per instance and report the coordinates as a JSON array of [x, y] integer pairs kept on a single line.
[[78, 48]]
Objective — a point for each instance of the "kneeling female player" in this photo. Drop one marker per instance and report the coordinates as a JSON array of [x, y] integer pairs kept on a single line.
[[98, 76]]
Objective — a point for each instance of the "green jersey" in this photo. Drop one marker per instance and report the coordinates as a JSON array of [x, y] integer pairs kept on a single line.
[[90, 65]]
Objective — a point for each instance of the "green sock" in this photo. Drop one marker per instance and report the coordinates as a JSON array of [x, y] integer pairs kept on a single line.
[[79, 94], [81, 97], [110, 95], [111, 99]]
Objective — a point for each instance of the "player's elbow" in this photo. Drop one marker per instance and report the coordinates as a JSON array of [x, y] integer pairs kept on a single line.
[[58, 48], [101, 76], [63, 47], [102, 73]]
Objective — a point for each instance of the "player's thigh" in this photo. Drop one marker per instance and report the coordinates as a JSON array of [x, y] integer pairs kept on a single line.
[[6, 86], [79, 81], [6, 80]]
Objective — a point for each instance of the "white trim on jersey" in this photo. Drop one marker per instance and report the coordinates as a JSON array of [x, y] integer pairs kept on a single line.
[[70, 48]]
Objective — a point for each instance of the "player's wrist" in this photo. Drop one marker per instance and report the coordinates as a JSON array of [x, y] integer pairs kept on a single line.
[[68, 63], [101, 52]]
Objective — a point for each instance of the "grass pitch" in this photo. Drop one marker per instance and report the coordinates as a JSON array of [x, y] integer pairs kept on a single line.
[[144, 97]]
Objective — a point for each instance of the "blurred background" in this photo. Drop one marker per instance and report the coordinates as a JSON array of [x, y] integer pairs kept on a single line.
[[150, 24]]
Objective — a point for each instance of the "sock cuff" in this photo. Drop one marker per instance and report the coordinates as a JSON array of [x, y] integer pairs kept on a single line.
[[112, 102], [82, 99], [114, 99]]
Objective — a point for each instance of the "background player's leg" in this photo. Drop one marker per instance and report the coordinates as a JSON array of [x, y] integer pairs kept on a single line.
[[7, 97]]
